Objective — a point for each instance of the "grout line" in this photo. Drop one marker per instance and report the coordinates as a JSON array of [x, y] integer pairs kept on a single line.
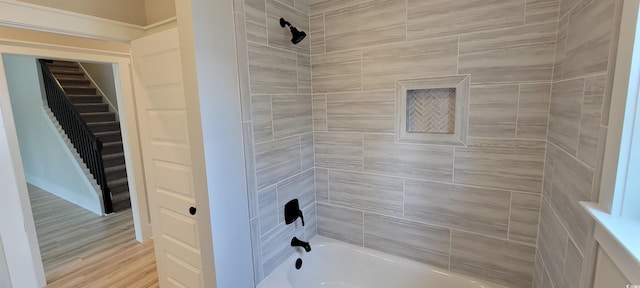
[[509, 221], [450, 246], [584, 88], [518, 109]]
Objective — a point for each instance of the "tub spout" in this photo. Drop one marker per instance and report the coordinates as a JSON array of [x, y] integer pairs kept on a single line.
[[295, 242]]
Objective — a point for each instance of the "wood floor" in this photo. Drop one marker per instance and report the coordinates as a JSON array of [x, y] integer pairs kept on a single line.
[[81, 249]]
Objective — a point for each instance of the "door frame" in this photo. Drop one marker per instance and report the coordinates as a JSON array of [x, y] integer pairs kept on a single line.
[[131, 143]]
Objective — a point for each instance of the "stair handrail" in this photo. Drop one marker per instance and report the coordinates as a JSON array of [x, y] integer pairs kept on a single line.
[[89, 147]]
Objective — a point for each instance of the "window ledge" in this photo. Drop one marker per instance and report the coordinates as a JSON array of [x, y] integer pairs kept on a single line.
[[619, 237]]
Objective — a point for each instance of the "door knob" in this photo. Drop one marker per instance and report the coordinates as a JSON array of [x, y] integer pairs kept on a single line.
[[192, 210]]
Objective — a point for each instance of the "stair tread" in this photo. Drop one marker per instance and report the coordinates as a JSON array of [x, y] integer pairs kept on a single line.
[[115, 143], [115, 168], [102, 123], [96, 113], [107, 133], [112, 156], [118, 182]]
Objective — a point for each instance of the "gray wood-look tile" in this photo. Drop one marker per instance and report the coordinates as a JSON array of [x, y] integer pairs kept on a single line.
[[564, 117], [272, 70], [533, 111], [493, 111], [281, 37], [256, 21], [479, 210], [567, 5], [306, 151], [572, 183], [302, 5], [525, 213], [319, 112], [369, 23], [256, 246], [304, 74], [243, 66], [276, 245], [319, 6], [361, 112], [299, 187], [552, 153], [561, 47], [322, 185], [540, 11], [310, 222], [572, 266], [383, 156], [262, 120], [289, 3], [383, 65], [238, 6], [250, 169], [268, 208], [507, 164], [589, 38], [552, 243], [291, 115], [378, 194], [590, 119], [340, 223], [337, 72], [597, 180], [316, 34], [277, 160], [338, 150], [409, 239], [518, 54], [428, 19], [500, 261]]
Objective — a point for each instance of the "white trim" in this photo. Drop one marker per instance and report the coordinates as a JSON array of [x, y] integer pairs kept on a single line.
[[40, 18], [618, 237]]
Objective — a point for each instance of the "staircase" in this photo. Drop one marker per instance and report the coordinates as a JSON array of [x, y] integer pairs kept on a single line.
[[103, 124]]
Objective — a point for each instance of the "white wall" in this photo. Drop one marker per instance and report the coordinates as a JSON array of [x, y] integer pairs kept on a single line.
[[128, 11], [46, 160], [159, 10], [5, 281], [211, 73], [102, 74], [608, 275]]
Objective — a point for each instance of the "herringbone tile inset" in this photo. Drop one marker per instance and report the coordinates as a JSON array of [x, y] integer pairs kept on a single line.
[[431, 110]]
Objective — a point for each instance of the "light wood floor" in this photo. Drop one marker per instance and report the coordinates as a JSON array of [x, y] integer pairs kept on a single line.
[[81, 249]]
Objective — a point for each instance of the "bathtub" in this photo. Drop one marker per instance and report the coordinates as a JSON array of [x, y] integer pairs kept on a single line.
[[334, 264]]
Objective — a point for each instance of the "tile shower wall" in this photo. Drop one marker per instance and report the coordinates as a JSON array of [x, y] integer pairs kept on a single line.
[[578, 122], [472, 209], [276, 104]]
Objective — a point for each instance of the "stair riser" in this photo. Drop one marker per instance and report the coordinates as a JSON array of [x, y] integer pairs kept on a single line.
[[80, 91], [63, 64], [99, 118], [111, 149], [69, 76], [62, 70], [119, 189], [113, 162], [74, 82], [110, 138], [85, 99], [121, 205], [104, 128], [92, 108], [116, 175]]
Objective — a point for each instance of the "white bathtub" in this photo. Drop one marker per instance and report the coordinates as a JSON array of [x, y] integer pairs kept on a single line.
[[334, 264]]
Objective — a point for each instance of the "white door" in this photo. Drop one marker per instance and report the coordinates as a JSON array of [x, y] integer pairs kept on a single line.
[[179, 227]]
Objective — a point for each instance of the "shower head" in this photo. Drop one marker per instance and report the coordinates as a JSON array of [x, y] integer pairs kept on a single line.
[[296, 35]]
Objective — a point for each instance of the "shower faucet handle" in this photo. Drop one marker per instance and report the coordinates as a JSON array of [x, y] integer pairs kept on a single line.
[[292, 212]]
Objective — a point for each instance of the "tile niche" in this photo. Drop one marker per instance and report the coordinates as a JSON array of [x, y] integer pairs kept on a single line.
[[433, 110]]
